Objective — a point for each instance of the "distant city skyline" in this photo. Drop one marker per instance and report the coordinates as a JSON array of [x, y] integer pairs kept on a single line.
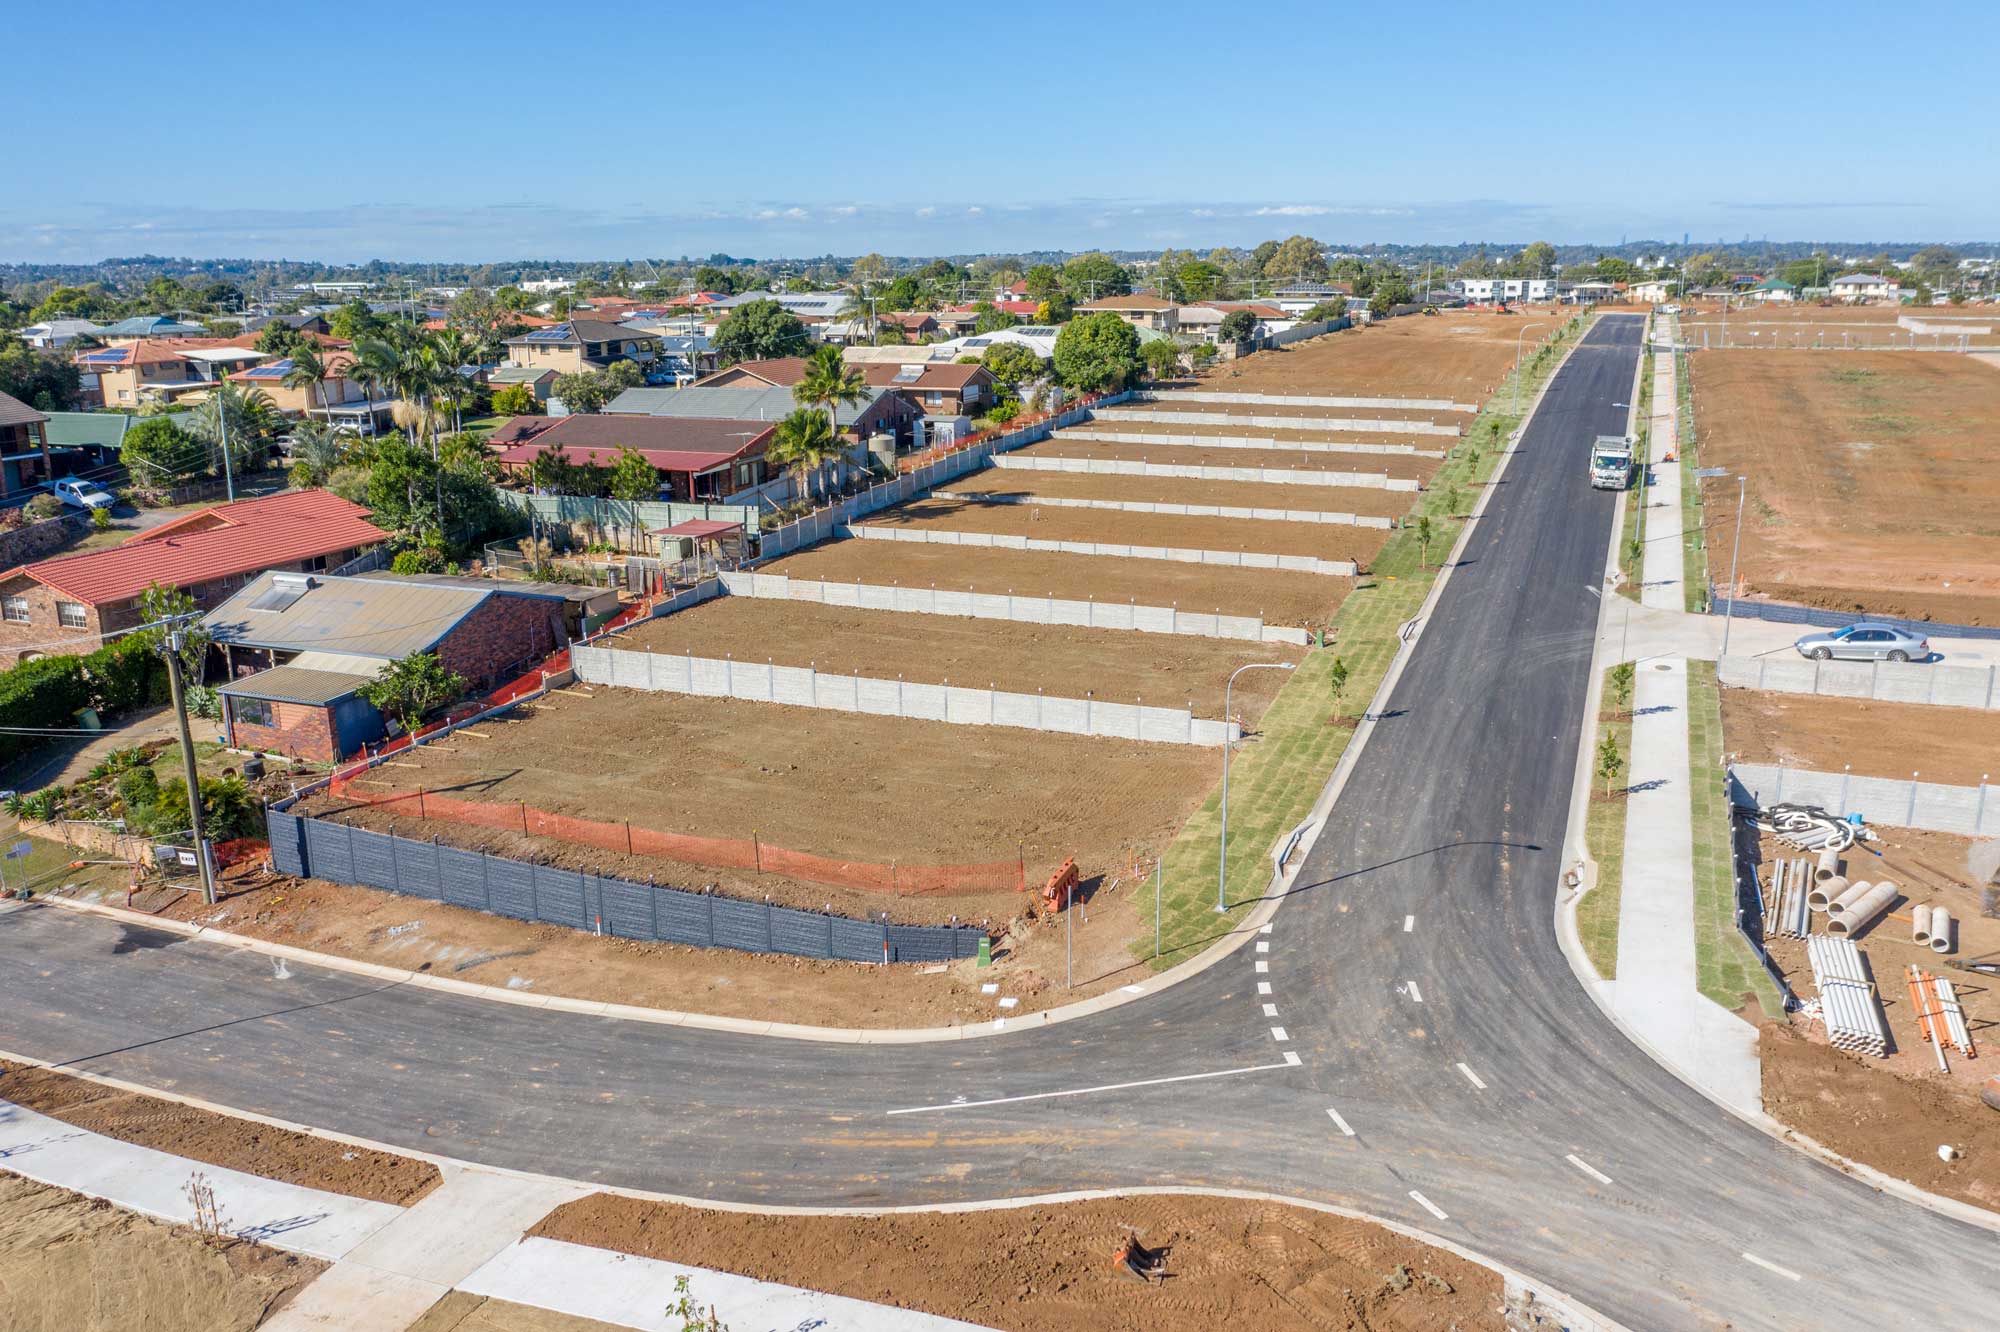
[[460, 133]]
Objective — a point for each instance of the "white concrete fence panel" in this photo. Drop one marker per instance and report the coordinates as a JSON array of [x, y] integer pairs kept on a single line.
[[1327, 516], [1305, 400], [1234, 559], [1910, 802], [1371, 425], [1281, 476], [1265, 443], [957, 705], [1882, 681]]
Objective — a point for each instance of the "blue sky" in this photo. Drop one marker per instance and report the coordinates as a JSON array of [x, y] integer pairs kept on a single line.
[[502, 131]]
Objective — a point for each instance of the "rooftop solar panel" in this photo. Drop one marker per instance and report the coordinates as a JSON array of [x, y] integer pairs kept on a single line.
[[909, 374]]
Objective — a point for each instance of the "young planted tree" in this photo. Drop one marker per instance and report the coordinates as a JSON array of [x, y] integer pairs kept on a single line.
[[1621, 684], [1424, 534], [1336, 679], [1610, 763]]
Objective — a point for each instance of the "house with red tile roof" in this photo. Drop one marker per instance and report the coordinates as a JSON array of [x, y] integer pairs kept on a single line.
[[698, 459], [72, 602]]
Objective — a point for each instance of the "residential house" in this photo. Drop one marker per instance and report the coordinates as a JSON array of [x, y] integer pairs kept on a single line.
[[298, 648], [142, 327], [698, 460], [1038, 338], [1865, 287], [1592, 292], [934, 388], [54, 333], [136, 371], [24, 448], [540, 379], [1494, 291], [303, 322], [1654, 291], [85, 441], [336, 399], [880, 413], [1142, 310], [1204, 321], [582, 344], [1774, 290], [1298, 297], [910, 323], [69, 603]]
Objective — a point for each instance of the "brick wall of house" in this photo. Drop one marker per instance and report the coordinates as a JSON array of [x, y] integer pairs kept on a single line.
[[502, 638], [300, 730]]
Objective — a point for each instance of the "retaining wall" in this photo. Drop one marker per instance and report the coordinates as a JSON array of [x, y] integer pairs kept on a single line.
[[1188, 510], [1234, 559], [1242, 442], [316, 848], [1305, 400], [1897, 802], [1281, 476], [1882, 681], [1779, 612], [1375, 426], [804, 687], [1007, 606]]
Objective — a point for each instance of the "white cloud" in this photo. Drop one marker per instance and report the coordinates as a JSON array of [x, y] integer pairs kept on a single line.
[[927, 211], [1293, 210]]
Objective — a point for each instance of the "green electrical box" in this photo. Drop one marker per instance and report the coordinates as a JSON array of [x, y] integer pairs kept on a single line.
[[985, 951]]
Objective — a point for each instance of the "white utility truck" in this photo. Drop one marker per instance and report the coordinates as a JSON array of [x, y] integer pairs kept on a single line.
[[1611, 463]]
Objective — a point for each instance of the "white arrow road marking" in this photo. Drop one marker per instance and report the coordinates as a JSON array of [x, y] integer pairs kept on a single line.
[[1587, 1168], [1429, 1206], [1472, 1077], [1335, 1116]]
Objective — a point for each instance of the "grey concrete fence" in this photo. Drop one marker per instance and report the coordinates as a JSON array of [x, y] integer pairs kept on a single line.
[[1373, 425], [1328, 516], [1305, 400], [1897, 802], [1233, 559], [1089, 614], [316, 848], [1781, 613], [1282, 476], [1167, 440], [806, 687], [1882, 681]]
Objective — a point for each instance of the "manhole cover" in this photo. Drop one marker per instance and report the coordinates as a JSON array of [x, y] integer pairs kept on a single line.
[[1662, 666]]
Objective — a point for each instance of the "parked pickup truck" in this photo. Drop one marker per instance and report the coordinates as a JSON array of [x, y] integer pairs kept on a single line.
[[1611, 463], [83, 494]]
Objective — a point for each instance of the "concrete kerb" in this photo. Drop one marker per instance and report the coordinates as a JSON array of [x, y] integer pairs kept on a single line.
[[1571, 943], [1582, 1318]]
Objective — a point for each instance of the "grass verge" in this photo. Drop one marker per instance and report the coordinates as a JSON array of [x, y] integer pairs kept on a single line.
[[1694, 537], [1604, 834], [1726, 968], [1275, 777]]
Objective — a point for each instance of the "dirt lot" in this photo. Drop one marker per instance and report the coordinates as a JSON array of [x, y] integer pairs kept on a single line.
[[1893, 1113], [1400, 466], [418, 935], [1233, 1263], [1955, 746], [1840, 326], [810, 781], [1278, 597], [1167, 402], [220, 1140], [1871, 478], [1370, 500], [1169, 671], [1289, 434], [1456, 356], [970, 514], [69, 1263]]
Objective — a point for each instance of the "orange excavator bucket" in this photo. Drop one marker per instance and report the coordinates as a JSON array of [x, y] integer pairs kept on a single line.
[[1056, 892]]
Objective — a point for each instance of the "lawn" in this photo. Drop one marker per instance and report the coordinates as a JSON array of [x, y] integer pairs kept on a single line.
[[1726, 968], [1604, 834], [1275, 777], [1694, 549]]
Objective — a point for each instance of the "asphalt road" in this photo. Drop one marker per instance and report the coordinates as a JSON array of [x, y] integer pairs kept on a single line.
[[1414, 973]]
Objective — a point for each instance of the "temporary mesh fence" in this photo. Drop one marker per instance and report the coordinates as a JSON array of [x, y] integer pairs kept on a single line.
[[751, 854]]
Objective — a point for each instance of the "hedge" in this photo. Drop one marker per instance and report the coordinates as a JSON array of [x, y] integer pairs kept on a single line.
[[48, 692]]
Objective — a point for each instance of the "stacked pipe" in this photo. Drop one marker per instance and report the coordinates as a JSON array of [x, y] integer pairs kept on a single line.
[[1940, 1019], [1847, 998], [1954, 1016], [1790, 913], [1856, 909]]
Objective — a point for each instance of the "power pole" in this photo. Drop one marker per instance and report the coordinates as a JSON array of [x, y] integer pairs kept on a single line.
[[174, 642]]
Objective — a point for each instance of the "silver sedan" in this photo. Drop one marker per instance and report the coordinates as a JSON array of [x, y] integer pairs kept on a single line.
[[1865, 642]]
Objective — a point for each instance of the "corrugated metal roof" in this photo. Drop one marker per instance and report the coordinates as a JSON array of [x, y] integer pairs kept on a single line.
[[725, 404], [295, 684], [340, 663], [361, 617]]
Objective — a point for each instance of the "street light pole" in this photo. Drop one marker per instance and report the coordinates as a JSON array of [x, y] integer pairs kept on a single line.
[[1222, 864], [1735, 548], [1517, 364]]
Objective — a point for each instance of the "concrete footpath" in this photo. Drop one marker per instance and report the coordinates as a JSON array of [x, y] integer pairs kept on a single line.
[[390, 1263]]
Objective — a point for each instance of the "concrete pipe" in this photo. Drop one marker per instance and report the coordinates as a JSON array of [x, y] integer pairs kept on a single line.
[[1858, 914], [1941, 926], [1829, 863], [1825, 891], [1837, 907], [1920, 924]]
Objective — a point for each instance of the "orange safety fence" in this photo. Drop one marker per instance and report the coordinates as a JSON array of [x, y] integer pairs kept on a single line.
[[736, 853]]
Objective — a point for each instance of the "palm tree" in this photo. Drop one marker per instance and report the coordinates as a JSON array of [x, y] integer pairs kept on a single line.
[[309, 370], [830, 383], [372, 368], [804, 443]]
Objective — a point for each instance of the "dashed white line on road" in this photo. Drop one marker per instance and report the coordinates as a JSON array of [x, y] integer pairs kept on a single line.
[[1409, 923], [1415, 993], [1429, 1206], [1263, 967], [1263, 987], [1472, 1077], [1270, 1010], [1263, 946], [1338, 1121], [1587, 1168], [1291, 1061], [1784, 1272], [1279, 1034]]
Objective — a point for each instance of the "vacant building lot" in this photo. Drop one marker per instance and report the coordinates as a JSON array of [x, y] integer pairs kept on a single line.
[[1278, 597], [845, 785], [1324, 541], [1952, 746], [1856, 327], [1456, 357], [1398, 465], [1165, 670], [1107, 431], [1871, 479], [1372, 501]]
